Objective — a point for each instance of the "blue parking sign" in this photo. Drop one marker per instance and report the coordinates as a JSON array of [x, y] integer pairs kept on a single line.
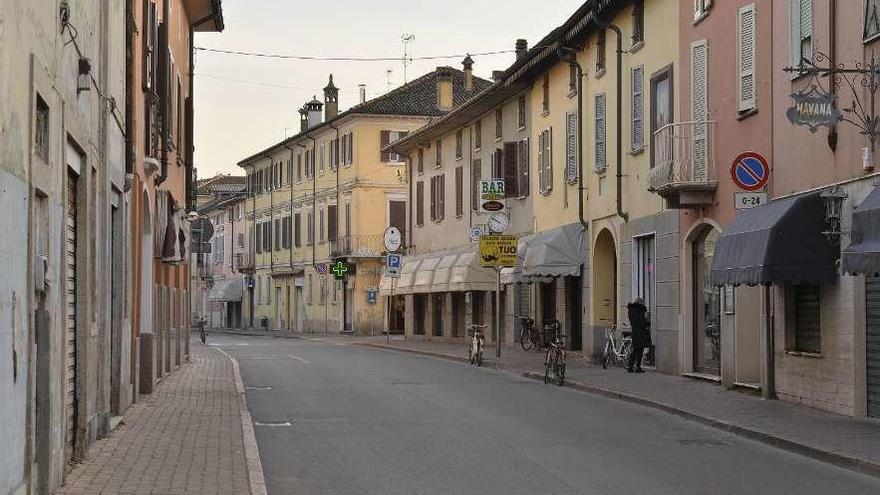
[[394, 264]]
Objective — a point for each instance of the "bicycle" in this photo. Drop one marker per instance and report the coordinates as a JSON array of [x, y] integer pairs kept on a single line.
[[529, 338], [478, 339], [554, 360], [617, 350]]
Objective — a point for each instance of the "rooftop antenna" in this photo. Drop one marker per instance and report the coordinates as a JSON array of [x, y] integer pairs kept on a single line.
[[407, 38], [388, 73]]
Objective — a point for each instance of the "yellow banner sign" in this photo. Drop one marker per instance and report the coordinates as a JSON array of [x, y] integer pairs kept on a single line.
[[498, 250]]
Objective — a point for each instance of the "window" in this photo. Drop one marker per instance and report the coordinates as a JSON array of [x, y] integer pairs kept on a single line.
[[322, 291], [499, 123], [310, 226], [700, 108], [310, 290], [259, 239], [599, 144], [386, 138], [801, 29], [258, 284], [600, 53], [545, 161], [347, 218], [478, 134], [545, 101], [181, 118], [497, 168], [321, 160], [41, 130], [458, 144], [511, 171], [522, 154], [804, 318], [571, 138], [348, 148], [321, 225], [661, 107], [420, 166], [297, 230], [332, 223], [476, 177], [746, 87], [299, 169], [572, 79], [150, 38], [637, 109], [701, 8], [334, 154], [459, 192], [438, 153], [521, 112], [420, 203], [638, 35], [240, 240], [285, 233], [278, 234], [438, 198]]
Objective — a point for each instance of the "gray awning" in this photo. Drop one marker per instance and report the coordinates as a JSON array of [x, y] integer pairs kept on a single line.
[[513, 274], [555, 253], [226, 291], [780, 242], [863, 254]]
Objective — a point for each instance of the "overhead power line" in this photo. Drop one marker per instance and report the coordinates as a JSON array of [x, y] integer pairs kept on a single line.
[[346, 59]]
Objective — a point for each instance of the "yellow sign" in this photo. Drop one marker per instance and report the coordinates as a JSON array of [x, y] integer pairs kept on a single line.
[[498, 250]]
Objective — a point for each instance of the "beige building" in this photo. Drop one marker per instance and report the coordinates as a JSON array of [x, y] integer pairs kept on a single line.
[[327, 194]]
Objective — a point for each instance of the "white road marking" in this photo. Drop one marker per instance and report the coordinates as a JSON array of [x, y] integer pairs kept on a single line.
[[262, 358], [258, 388], [291, 356], [272, 425]]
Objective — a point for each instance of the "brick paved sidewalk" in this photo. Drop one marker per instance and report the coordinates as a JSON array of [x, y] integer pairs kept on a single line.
[[185, 439], [844, 441]]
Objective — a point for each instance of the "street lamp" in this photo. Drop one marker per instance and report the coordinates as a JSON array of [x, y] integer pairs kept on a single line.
[[833, 199]]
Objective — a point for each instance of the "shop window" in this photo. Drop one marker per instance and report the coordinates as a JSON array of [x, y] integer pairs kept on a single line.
[[803, 318]]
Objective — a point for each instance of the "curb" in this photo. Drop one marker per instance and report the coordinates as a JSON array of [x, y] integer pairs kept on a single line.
[[841, 460], [251, 452], [273, 334]]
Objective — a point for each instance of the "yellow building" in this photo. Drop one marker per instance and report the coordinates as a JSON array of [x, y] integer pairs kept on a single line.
[[327, 194]]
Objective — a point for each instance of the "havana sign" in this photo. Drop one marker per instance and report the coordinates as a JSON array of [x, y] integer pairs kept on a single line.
[[813, 108]]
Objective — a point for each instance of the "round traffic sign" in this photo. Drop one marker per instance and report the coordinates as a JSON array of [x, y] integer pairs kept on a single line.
[[321, 268], [393, 239], [750, 171]]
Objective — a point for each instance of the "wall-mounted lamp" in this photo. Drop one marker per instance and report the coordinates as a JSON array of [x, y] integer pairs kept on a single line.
[[84, 81], [833, 198]]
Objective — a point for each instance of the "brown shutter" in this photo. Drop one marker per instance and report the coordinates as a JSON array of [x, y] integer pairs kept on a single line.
[[420, 203], [459, 191], [332, 222], [421, 161], [297, 229], [442, 197], [510, 172], [524, 161], [397, 218], [433, 198], [476, 176], [385, 140]]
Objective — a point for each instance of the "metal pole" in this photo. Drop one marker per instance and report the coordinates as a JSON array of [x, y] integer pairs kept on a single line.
[[498, 316], [390, 316]]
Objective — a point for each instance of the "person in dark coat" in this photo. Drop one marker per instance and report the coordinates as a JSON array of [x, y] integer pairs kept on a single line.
[[641, 333]]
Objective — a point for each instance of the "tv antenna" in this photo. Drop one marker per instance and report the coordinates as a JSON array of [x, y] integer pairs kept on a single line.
[[407, 38]]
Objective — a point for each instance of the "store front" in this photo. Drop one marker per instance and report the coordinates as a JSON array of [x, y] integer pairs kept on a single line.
[[706, 305]]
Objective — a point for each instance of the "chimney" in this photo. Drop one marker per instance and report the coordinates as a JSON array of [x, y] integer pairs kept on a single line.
[[363, 92], [522, 46], [497, 75], [313, 112], [303, 119], [468, 64], [444, 88], [331, 100]]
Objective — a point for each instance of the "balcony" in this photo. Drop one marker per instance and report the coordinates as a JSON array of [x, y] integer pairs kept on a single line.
[[358, 246], [684, 172], [245, 263]]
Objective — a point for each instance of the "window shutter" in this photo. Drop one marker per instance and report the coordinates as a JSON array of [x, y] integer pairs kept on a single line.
[[332, 223], [459, 191], [476, 177], [571, 165], [420, 167], [601, 163], [524, 159], [541, 138], [807, 332], [385, 140], [638, 108], [511, 173], [433, 198], [806, 19], [259, 239], [746, 87], [420, 203], [548, 158], [700, 106], [441, 193]]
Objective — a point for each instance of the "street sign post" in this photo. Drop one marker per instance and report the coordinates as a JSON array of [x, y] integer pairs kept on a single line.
[[477, 231], [492, 194], [750, 171], [393, 239], [393, 265], [498, 251]]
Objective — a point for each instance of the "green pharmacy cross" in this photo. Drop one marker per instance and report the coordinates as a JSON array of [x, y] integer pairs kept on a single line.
[[340, 269]]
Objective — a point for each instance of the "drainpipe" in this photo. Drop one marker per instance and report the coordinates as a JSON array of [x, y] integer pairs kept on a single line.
[[832, 61], [290, 180], [336, 153], [768, 388], [607, 25], [253, 246], [569, 54], [314, 201], [129, 93], [164, 91], [271, 218]]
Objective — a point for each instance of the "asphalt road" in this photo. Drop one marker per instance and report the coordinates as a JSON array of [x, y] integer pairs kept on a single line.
[[332, 418]]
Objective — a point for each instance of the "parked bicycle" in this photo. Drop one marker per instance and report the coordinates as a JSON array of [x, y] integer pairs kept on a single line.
[[554, 360], [529, 338], [617, 347], [478, 340]]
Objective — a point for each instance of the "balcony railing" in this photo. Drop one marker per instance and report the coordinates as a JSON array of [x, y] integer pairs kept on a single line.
[[684, 164], [358, 246]]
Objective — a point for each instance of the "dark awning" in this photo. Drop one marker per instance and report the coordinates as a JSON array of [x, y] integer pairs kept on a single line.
[[863, 254], [780, 242], [555, 253]]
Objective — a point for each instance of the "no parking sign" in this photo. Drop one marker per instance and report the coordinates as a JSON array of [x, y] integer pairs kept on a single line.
[[750, 171]]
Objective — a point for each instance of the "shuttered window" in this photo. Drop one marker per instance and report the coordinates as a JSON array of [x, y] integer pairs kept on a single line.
[[476, 177], [459, 192], [599, 143], [279, 236], [746, 84], [511, 172], [433, 200], [700, 108], [299, 169], [806, 316], [310, 229], [499, 123], [420, 203], [701, 7], [638, 34], [386, 138], [801, 31], [438, 198], [259, 239], [438, 153], [545, 161], [600, 52], [571, 164], [498, 164], [347, 148], [458, 144], [332, 223], [297, 230], [637, 108], [420, 164], [545, 101], [523, 161], [521, 112], [478, 134]]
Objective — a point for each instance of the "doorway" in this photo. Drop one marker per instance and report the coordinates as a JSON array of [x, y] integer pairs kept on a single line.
[[287, 307], [604, 302], [872, 345], [278, 309], [71, 279], [437, 314], [707, 306], [574, 305]]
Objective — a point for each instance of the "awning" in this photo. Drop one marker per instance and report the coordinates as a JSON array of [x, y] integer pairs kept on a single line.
[[226, 291], [425, 275], [404, 284], [443, 272], [513, 274], [863, 254], [468, 275], [555, 253], [780, 242]]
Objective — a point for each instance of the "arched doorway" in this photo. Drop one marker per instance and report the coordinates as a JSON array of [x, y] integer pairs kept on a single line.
[[706, 299], [604, 269]]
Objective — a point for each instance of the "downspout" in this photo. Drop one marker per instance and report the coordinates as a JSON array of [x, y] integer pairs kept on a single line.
[[336, 169], [832, 62], [290, 180], [253, 246], [569, 54], [164, 59], [314, 202], [272, 239], [409, 233], [608, 25], [190, 135], [129, 94]]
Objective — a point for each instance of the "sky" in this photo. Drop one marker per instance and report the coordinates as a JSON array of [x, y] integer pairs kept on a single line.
[[246, 104]]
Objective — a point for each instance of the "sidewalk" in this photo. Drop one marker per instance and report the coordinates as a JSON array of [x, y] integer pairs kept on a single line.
[[184, 439], [840, 440]]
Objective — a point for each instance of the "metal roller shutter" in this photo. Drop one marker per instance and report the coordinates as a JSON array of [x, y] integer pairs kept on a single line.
[[70, 278], [873, 345]]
